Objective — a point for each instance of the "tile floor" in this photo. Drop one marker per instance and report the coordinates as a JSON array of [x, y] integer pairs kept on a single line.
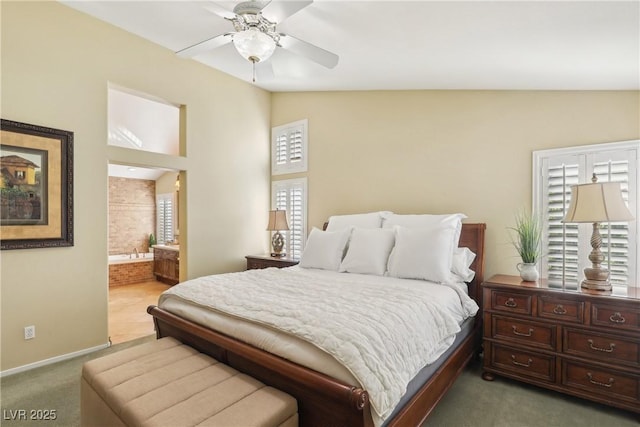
[[128, 318]]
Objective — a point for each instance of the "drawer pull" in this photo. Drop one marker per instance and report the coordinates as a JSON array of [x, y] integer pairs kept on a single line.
[[515, 362], [511, 303], [617, 318], [559, 309], [522, 334], [592, 381], [612, 346]]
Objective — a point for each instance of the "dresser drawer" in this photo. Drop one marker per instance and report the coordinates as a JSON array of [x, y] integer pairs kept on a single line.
[[607, 383], [622, 318], [551, 307], [522, 362], [511, 302], [257, 264], [608, 348], [533, 334]]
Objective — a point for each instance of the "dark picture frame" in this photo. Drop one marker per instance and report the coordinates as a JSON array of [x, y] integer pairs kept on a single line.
[[36, 186]]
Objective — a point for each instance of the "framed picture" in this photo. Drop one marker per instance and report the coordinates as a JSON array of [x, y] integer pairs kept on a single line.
[[36, 186]]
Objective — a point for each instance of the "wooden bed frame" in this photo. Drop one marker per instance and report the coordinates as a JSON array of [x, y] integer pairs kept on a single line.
[[322, 400]]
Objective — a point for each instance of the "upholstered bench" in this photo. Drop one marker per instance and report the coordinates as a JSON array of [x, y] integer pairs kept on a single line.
[[166, 383]]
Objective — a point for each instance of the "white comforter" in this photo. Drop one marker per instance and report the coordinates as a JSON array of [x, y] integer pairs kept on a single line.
[[383, 330]]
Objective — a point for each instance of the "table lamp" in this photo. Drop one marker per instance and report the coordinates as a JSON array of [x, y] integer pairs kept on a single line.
[[596, 203], [277, 223]]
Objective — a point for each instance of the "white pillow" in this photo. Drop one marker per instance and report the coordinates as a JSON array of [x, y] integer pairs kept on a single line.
[[368, 251], [366, 220], [324, 249], [462, 259], [424, 254], [427, 221]]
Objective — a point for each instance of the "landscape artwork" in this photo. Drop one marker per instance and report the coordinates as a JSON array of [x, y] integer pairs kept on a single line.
[[36, 186], [22, 186]]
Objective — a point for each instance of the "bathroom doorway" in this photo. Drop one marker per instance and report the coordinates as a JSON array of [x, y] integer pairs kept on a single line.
[[143, 205]]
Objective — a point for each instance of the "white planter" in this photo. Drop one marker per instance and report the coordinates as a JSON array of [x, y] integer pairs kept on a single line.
[[528, 271]]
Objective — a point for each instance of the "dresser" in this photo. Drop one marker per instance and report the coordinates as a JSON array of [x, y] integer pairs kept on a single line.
[[265, 261], [583, 344]]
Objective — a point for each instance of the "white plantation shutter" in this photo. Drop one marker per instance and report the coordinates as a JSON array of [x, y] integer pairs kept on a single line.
[[560, 239], [281, 149], [616, 236], [164, 218], [289, 148], [291, 195], [567, 246]]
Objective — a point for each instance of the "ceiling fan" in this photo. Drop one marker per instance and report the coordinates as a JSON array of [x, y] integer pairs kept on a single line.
[[255, 36]]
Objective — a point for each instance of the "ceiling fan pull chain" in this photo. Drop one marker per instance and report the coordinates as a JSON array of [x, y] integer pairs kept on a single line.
[[254, 70]]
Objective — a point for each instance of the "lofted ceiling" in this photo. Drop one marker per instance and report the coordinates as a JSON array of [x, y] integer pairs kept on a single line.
[[396, 45]]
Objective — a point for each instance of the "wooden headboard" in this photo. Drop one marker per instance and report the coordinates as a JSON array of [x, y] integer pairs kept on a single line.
[[472, 237]]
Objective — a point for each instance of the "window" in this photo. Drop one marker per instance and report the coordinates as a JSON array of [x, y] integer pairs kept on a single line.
[[567, 246], [289, 148], [164, 218], [291, 196]]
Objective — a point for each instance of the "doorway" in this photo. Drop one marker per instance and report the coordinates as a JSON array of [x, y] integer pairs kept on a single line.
[[134, 223], [139, 188]]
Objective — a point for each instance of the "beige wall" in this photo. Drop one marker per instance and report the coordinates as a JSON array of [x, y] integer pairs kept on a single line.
[[56, 66], [445, 151]]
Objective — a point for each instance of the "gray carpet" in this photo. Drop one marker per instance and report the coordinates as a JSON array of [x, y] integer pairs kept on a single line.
[[472, 402], [53, 387]]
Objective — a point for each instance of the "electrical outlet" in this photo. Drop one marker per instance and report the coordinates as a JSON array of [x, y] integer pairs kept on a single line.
[[29, 332]]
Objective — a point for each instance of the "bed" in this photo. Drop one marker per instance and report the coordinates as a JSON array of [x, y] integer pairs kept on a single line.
[[334, 398]]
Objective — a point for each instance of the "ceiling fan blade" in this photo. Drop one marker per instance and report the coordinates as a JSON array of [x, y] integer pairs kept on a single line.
[[204, 46], [220, 10], [309, 51], [278, 11]]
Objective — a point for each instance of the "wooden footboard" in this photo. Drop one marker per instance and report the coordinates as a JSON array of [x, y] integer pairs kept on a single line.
[[322, 401]]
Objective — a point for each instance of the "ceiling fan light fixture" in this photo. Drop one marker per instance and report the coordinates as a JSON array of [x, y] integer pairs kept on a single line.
[[254, 45]]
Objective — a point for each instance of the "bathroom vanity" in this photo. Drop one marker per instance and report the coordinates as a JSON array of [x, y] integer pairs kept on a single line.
[[166, 263]]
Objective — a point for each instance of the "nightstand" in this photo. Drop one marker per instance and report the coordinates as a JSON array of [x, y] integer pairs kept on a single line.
[[265, 261], [578, 343]]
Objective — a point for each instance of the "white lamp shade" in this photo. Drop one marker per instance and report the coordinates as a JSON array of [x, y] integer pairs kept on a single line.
[[254, 45], [597, 202], [277, 220]]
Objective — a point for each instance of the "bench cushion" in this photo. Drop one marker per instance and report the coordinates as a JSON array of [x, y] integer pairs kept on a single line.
[[166, 383]]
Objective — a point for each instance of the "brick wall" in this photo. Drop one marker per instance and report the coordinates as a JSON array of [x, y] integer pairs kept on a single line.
[[134, 272], [132, 214]]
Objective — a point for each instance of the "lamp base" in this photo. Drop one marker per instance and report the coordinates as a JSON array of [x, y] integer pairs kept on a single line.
[[596, 285], [278, 255], [596, 279], [277, 242]]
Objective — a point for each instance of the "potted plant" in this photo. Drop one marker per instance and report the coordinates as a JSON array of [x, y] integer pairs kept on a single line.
[[152, 241], [528, 243]]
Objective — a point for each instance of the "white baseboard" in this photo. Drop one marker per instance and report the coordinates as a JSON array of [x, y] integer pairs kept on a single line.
[[45, 362]]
